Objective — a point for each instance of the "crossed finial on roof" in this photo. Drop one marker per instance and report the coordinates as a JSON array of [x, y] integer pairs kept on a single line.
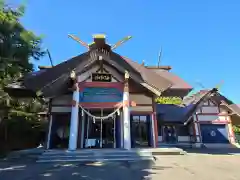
[[99, 37]]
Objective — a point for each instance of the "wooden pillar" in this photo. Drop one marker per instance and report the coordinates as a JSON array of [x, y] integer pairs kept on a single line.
[[49, 132], [49, 127], [126, 114], [73, 135]]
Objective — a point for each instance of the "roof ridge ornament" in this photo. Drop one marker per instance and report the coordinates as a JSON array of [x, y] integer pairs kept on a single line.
[[78, 40], [99, 36], [100, 40], [123, 40]]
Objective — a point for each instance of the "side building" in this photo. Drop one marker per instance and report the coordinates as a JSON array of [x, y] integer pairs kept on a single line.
[[204, 119]]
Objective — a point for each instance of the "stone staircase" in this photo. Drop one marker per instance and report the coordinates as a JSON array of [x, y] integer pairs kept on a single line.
[[90, 155]]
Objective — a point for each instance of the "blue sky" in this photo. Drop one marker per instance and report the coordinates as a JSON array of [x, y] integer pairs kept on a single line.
[[200, 39]]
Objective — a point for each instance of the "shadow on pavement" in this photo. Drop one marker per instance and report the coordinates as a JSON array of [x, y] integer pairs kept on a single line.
[[121, 170]]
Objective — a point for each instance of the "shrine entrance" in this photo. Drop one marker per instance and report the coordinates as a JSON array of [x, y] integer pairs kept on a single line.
[[102, 132]]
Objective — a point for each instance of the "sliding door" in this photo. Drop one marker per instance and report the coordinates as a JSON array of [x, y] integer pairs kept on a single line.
[[141, 131]]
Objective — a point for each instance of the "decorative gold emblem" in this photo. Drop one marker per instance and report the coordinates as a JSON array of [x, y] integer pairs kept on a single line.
[[101, 77]]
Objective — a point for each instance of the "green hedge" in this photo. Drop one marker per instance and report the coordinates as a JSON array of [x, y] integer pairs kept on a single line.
[[236, 129]]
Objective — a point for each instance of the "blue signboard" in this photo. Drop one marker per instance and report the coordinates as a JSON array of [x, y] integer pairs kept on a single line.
[[100, 95]]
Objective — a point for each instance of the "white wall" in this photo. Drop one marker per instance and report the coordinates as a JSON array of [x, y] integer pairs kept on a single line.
[[207, 117], [210, 112], [183, 138], [210, 109]]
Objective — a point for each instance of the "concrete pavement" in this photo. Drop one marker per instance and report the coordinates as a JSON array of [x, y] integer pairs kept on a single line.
[[86, 171], [188, 167], [197, 167]]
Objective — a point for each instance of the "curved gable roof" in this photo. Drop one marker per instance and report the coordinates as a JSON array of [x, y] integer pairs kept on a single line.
[[55, 80], [150, 76]]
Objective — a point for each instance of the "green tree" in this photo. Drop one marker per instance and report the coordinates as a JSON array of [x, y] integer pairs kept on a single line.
[[17, 47]]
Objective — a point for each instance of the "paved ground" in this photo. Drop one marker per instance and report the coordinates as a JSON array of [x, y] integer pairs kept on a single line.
[[188, 167], [197, 167]]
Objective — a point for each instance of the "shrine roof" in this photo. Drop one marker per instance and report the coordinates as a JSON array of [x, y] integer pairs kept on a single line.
[[55, 80]]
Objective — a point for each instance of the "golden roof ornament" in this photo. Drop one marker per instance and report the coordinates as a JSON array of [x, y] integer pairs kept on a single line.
[[99, 39], [126, 75], [73, 75]]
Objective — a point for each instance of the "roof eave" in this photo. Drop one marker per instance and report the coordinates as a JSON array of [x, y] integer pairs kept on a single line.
[[152, 89], [229, 107], [134, 77], [20, 92]]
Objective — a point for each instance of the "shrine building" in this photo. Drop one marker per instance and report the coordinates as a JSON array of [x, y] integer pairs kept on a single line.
[[101, 99]]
